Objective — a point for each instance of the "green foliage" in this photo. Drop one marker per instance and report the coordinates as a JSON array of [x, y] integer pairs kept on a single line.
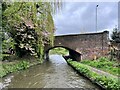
[[59, 50], [114, 47], [0, 45], [104, 64], [116, 35], [0, 31], [7, 43], [109, 83], [30, 24], [5, 56], [9, 68], [2, 72]]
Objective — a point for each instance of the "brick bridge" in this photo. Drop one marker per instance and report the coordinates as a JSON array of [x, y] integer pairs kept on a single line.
[[82, 46]]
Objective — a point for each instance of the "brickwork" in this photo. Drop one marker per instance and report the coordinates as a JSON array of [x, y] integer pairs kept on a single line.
[[90, 45]]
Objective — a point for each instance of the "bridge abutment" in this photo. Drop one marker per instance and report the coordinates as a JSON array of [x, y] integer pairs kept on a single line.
[[75, 55], [46, 55]]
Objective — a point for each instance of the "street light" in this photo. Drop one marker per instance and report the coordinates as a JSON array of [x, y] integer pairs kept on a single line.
[[96, 17]]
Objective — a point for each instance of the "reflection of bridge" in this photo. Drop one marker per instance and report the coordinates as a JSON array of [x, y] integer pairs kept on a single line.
[[89, 45]]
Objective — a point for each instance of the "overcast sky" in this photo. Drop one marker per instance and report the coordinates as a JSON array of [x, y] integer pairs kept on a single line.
[[80, 17]]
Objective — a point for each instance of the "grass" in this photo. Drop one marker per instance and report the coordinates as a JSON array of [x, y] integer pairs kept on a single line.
[[104, 64], [108, 83]]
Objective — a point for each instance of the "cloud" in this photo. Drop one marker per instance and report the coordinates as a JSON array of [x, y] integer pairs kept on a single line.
[[80, 17]]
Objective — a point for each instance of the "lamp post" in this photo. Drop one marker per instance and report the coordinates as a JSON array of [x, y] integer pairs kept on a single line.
[[96, 31], [96, 17]]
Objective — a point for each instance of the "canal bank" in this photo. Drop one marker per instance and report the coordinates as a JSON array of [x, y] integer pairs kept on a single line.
[[55, 73], [100, 78], [7, 67]]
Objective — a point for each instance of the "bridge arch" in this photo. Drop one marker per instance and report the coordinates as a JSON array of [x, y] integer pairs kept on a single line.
[[91, 45], [72, 53]]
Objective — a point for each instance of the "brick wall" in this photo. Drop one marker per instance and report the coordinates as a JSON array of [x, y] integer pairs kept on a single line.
[[90, 45], [93, 45]]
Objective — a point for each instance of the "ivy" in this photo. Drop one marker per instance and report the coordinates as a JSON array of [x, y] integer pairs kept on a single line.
[[30, 24]]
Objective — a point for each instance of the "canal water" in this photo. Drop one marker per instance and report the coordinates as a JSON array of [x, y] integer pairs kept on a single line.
[[54, 73]]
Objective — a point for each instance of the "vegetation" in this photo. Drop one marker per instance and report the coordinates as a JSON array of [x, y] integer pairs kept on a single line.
[[115, 44], [9, 68], [104, 64], [30, 25], [26, 28], [6, 45], [59, 50], [116, 35], [0, 32], [109, 83]]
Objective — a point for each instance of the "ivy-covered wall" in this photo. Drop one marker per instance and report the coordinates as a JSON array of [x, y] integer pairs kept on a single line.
[[30, 25]]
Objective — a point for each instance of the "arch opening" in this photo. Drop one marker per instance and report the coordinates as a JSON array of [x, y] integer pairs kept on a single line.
[[59, 50], [67, 53]]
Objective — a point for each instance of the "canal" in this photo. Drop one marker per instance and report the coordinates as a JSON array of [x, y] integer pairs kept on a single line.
[[54, 73]]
